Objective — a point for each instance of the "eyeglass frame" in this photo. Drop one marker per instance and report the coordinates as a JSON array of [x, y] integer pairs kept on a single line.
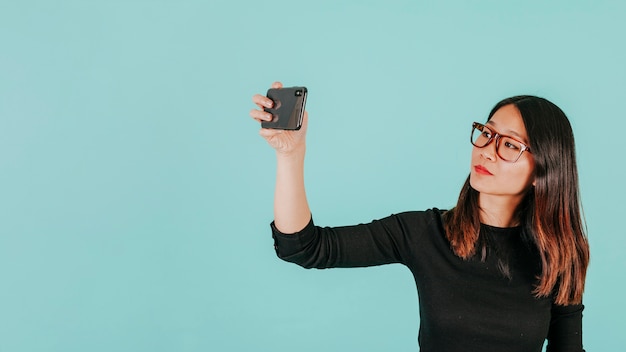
[[496, 136]]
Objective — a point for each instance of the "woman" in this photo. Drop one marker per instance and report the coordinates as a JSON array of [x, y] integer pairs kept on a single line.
[[504, 270]]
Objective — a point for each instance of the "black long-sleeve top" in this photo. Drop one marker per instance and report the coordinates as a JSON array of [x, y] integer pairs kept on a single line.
[[464, 305]]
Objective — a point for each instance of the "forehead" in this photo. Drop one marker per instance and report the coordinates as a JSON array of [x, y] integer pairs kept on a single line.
[[508, 120]]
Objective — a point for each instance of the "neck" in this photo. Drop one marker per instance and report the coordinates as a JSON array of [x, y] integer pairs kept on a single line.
[[498, 211]]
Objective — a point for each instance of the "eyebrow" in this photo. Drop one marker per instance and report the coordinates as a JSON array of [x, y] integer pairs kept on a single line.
[[511, 132]]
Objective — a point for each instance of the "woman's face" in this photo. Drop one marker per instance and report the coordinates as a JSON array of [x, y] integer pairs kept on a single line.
[[490, 175]]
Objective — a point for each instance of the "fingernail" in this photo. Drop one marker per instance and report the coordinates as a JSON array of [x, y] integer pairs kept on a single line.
[[268, 104]]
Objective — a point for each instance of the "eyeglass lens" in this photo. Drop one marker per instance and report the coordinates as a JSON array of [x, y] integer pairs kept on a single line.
[[507, 148]]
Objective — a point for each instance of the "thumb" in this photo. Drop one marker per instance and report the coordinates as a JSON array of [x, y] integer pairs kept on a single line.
[[305, 121]]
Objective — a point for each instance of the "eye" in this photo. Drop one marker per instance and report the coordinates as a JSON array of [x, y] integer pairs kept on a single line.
[[511, 145], [486, 133]]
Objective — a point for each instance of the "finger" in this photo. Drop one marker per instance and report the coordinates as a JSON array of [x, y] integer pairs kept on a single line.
[[269, 132], [260, 115], [277, 84], [262, 101], [305, 121]]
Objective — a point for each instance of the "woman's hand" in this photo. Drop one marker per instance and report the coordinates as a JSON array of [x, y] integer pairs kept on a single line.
[[283, 141], [291, 209]]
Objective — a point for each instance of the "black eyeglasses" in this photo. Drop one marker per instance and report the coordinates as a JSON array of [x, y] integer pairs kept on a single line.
[[508, 148]]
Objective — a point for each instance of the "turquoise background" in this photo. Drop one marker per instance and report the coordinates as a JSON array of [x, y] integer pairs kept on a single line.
[[136, 195]]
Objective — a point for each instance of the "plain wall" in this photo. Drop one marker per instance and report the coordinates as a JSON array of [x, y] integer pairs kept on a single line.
[[136, 194]]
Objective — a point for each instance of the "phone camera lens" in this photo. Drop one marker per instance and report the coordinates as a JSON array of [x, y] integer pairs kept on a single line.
[[298, 93]]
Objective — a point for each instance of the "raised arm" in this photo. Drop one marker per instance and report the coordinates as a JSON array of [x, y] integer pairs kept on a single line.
[[291, 209]]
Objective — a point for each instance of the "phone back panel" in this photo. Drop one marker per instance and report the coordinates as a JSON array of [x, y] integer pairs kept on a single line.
[[288, 108]]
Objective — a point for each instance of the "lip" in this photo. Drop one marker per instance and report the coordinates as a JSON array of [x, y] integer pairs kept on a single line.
[[482, 170]]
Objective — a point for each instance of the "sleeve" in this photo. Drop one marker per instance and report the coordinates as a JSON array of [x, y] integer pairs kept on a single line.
[[565, 334], [380, 242]]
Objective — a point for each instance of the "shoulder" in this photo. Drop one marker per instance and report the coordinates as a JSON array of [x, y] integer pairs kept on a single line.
[[425, 238], [420, 224], [429, 217]]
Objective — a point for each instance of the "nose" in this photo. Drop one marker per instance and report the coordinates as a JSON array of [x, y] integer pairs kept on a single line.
[[489, 151]]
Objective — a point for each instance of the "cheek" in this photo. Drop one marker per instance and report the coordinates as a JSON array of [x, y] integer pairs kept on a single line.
[[529, 168], [522, 174]]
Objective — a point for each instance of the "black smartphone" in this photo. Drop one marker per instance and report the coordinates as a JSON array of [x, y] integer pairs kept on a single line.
[[288, 108]]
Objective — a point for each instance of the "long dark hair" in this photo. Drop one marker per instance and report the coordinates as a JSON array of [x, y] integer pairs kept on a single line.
[[550, 211]]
